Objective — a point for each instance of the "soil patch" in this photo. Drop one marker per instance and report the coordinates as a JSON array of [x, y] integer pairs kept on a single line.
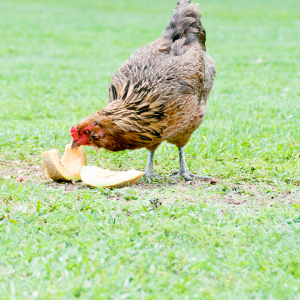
[[171, 191]]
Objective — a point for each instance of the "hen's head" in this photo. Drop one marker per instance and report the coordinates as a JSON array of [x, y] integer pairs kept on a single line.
[[86, 135]]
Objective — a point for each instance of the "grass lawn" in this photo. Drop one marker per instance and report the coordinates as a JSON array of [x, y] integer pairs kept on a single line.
[[238, 239]]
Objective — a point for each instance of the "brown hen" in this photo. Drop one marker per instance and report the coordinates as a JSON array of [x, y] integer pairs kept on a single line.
[[159, 94]]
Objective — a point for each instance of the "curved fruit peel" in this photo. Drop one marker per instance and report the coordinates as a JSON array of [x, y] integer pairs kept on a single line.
[[66, 168], [101, 178]]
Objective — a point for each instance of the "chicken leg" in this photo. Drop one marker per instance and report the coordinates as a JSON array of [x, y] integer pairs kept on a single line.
[[149, 171], [184, 171]]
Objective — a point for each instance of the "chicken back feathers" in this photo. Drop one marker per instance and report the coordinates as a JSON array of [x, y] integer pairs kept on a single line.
[[160, 93]]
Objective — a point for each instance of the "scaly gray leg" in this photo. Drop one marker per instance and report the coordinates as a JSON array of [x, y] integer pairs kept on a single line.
[[184, 171], [149, 172]]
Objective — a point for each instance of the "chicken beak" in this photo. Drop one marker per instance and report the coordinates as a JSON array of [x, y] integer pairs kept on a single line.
[[74, 146]]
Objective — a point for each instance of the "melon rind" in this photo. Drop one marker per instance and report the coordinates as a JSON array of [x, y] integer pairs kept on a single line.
[[55, 168], [101, 178]]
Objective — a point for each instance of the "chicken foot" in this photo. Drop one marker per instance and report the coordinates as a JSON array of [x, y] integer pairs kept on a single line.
[[149, 171], [184, 171]]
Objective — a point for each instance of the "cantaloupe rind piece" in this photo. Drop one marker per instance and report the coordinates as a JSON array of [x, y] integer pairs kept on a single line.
[[66, 168], [101, 178]]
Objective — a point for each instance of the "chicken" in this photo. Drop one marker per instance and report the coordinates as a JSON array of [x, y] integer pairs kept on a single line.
[[159, 94]]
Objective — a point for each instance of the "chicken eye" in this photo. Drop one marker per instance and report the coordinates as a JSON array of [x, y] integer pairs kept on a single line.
[[86, 132]]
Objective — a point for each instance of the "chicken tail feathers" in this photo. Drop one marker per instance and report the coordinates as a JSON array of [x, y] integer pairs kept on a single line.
[[185, 24]]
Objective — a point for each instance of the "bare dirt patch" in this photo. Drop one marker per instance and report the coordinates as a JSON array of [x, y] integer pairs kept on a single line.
[[171, 191], [224, 192], [30, 173]]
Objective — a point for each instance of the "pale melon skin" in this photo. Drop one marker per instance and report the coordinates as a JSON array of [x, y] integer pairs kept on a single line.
[[64, 170], [101, 178]]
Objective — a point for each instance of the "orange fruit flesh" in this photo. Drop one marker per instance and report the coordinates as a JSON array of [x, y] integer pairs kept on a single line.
[[66, 168], [72, 166]]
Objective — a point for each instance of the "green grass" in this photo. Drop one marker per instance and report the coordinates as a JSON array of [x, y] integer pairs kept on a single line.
[[56, 59]]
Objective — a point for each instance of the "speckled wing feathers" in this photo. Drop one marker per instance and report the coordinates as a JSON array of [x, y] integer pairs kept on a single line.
[[160, 93]]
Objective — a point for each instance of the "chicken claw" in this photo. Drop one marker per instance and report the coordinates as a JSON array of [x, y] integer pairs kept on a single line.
[[149, 175], [184, 171], [188, 176]]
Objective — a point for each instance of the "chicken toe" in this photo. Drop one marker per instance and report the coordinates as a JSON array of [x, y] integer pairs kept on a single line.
[[150, 175], [184, 171]]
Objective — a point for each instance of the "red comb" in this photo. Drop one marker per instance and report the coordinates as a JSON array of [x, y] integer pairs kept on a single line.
[[73, 132]]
